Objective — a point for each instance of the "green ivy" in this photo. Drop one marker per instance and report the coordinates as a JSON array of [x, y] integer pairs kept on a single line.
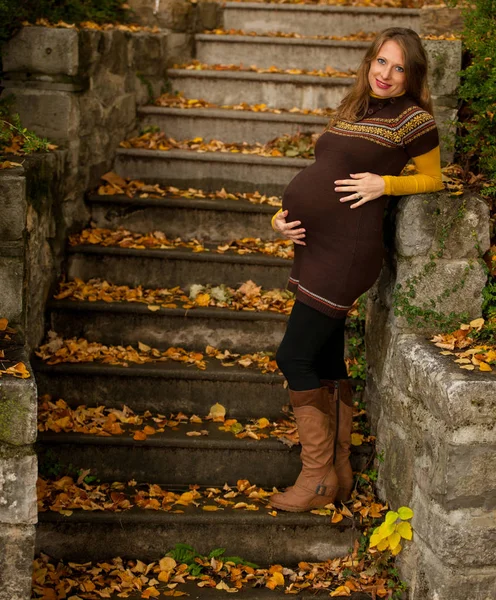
[[476, 134], [424, 314], [11, 129]]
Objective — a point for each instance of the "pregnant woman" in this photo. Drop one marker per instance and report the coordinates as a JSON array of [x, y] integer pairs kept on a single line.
[[333, 211]]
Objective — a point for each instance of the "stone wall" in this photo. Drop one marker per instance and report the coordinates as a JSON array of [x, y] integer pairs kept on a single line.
[[435, 423], [18, 467]]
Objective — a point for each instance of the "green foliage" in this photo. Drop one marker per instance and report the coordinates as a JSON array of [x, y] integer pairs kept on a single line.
[[185, 554], [476, 136], [356, 341], [14, 138], [13, 13]]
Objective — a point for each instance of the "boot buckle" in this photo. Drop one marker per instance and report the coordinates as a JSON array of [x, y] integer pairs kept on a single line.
[[321, 489]]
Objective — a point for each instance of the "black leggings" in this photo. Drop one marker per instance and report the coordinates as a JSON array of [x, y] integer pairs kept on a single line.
[[312, 348]]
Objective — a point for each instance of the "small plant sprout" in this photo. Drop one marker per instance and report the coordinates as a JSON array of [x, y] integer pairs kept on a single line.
[[395, 527]]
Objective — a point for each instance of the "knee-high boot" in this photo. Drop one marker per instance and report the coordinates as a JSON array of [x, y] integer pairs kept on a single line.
[[317, 484], [341, 403]]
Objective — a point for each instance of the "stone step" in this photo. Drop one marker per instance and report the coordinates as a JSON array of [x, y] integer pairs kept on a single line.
[[228, 124], [307, 19], [207, 219], [165, 387], [285, 53], [168, 268], [178, 459], [210, 170], [123, 323], [276, 90], [257, 537]]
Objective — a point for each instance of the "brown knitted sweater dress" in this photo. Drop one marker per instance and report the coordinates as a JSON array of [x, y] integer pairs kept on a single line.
[[344, 248]]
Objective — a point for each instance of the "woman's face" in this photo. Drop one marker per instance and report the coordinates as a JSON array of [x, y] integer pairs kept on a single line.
[[387, 70]]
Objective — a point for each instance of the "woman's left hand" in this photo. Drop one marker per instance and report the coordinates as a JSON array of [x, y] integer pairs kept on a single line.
[[367, 185]]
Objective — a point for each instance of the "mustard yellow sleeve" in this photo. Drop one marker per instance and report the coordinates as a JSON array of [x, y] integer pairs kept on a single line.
[[428, 178], [272, 220]]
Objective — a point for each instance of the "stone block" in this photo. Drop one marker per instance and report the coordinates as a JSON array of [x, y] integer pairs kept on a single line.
[[422, 217], [51, 51], [50, 114], [441, 290], [18, 474], [439, 20], [208, 15], [464, 537], [430, 579], [445, 63], [148, 53], [16, 561], [179, 48], [18, 407], [456, 397], [456, 468], [12, 206], [11, 288], [445, 116]]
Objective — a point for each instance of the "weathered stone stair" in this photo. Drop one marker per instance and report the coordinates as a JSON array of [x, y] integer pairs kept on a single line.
[[172, 459]]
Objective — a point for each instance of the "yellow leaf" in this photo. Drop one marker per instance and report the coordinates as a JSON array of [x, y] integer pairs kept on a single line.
[[405, 530], [210, 507], [263, 423], [202, 299], [3, 324], [336, 517], [391, 517], [383, 544], [477, 324], [374, 540], [483, 366], [405, 513], [356, 439], [342, 590], [468, 367], [394, 539], [167, 563], [217, 411], [153, 307], [143, 347], [397, 550]]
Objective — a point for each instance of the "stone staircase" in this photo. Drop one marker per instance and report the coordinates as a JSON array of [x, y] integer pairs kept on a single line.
[[173, 459]]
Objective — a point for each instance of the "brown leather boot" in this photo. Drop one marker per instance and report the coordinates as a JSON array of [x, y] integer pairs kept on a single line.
[[341, 402], [317, 484]]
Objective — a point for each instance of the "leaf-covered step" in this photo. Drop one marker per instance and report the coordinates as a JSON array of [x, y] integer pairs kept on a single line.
[[286, 53], [255, 534], [131, 323], [221, 123], [213, 220], [278, 90], [209, 170], [310, 19], [213, 457], [165, 387], [184, 572], [157, 268]]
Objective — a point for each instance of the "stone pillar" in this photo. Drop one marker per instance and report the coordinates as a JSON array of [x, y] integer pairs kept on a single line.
[[434, 421], [18, 469], [80, 89]]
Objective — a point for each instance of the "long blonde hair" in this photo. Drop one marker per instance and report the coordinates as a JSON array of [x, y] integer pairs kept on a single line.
[[355, 104]]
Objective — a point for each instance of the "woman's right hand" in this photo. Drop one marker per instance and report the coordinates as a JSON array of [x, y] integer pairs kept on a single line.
[[289, 230]]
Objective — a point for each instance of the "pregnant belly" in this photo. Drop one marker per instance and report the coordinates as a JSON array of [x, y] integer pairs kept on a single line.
[[310, 198]]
